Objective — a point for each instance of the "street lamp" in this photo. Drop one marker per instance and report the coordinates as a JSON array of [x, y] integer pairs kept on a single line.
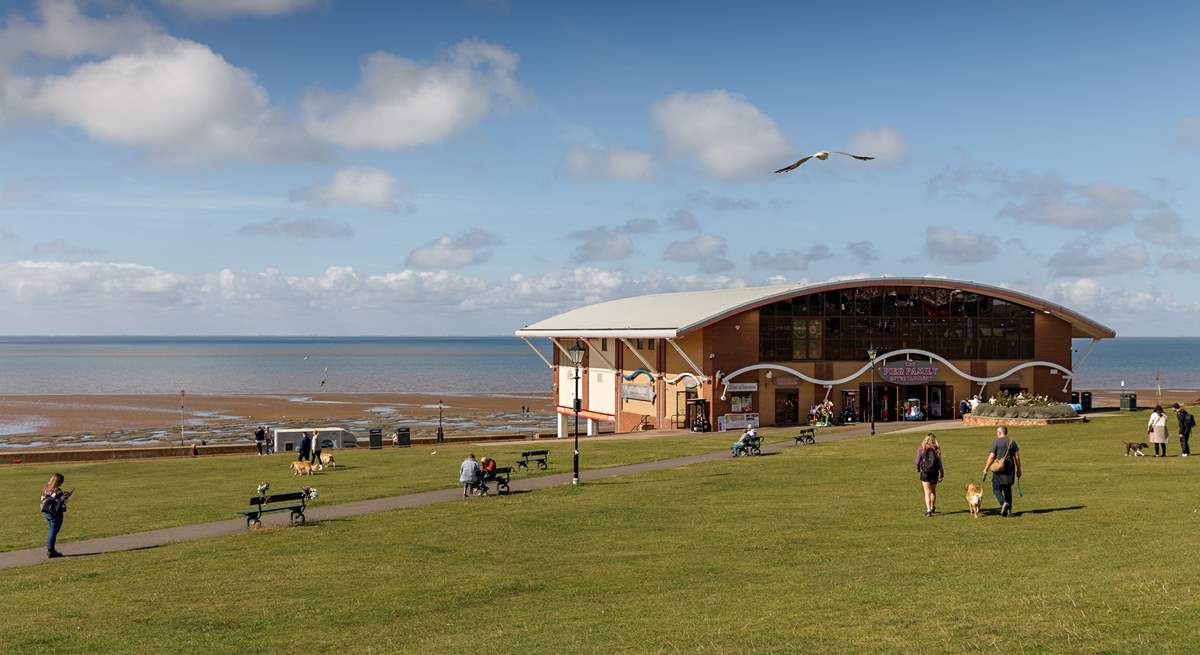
[[871, 353], [576, 355], [441, 434]]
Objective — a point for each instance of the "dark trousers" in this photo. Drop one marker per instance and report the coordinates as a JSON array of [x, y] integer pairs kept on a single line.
[[1183, 442], [303, 456], [1003, 491], [316, 456], [261, 446], [1160, 447], [54, 524]]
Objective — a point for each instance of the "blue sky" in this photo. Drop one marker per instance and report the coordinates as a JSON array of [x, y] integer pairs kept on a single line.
[[326, 167]]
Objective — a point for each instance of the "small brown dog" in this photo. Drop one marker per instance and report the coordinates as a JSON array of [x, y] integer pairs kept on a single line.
[[327, 460], [1135, 449], [302, 468], [974, 498]]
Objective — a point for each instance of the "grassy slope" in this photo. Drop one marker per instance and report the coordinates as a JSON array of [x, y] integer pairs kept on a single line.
[[120, 497], [820, 550]]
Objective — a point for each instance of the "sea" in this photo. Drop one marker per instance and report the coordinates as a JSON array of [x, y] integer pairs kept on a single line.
[[451, 365]]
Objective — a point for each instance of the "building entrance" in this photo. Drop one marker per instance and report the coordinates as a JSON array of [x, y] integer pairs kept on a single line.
[[787, 406]]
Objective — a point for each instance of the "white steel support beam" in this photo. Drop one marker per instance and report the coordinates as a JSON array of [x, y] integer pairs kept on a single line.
[[684, 355], [554, 340], [648, 365], [538, 353]]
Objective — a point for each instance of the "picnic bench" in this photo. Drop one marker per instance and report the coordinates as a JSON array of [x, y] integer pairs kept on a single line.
[[540, 457], [265, 504], [500, 476], [807, 435]]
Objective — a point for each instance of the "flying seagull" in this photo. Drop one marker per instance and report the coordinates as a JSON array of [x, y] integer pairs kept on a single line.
[[822, 155]]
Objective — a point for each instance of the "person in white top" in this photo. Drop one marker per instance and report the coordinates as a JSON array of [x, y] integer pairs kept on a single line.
[[466, 474], [1156, 431]]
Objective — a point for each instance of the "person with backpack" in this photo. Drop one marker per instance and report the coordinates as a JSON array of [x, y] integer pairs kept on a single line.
[[930, 470], [1186, 423], [53, 506], [1004, 463]]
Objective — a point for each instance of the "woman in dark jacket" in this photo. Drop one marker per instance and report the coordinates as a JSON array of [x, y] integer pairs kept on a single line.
[[930, 470], [54, 505]]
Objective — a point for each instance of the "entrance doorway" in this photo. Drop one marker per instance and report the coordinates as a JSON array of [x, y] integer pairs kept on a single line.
[[787, 407], [685, 409], [882, 403]]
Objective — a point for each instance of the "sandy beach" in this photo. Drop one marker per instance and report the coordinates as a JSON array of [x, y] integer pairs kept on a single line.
[[52, 421]]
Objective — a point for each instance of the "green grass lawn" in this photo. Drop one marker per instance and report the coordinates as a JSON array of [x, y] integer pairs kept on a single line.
[[120, 497], [821, 549]]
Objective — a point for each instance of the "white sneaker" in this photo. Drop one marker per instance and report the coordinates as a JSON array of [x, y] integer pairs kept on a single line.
[[1184, 455]]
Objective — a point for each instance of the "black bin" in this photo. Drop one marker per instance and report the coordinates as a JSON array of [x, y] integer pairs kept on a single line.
[[376, 437], [404, 441], [1128, 402], [1085, 399]]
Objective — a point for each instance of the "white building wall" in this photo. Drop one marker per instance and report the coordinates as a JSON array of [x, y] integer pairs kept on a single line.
[[566, 386], [602, 391]]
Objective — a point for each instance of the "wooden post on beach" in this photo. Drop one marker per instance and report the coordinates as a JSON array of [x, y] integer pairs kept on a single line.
[[182, 395]]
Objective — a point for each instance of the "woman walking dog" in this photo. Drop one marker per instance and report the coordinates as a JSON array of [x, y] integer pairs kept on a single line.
[[1156, 431], [930, 470]]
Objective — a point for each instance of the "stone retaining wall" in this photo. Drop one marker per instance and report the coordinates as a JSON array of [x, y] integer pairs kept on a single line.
[[16, 456], [976, 421]]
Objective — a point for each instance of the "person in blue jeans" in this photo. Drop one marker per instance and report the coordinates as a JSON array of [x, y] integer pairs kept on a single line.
[[54, 506], [1004, 450]]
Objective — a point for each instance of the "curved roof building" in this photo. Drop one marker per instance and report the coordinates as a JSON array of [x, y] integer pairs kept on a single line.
[[769, 354]]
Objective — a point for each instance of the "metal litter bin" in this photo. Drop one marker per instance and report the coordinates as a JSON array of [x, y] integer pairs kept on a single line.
[[404, 440], [1128, 402], [376, 438], [1085, 399]]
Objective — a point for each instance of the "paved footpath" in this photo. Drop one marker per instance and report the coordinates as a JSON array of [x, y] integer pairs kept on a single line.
[[153, 538]]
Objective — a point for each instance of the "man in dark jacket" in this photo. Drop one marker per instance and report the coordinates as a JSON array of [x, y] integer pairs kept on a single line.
[[305, 447], [1186, 423]]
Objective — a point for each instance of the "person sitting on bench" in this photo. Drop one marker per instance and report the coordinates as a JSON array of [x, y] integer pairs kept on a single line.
[[742, 445]]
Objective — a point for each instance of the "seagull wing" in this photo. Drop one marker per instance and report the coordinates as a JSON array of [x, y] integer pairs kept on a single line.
[[858, 157], [794, 166]]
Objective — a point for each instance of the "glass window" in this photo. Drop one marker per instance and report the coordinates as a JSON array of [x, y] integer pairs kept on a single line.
[[650, 343], [603, 345]]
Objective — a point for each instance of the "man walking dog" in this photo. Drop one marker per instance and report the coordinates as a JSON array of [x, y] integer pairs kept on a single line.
[[1004, 463]]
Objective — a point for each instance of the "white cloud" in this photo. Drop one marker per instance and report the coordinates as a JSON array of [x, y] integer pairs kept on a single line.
[[721, 203], [684, 220], [1078, 259], [400, 103], [863, 251], [471, 247], [884, 144], [174, 97], [63, 31], [1105, 300], [607, 243], [1187, 132], [88, 283], [230, 8], [726, 135], [1046, 199], [1163, 227], [298, 228], [356, 186], [708, 250], [791, 259], [950, 246], [586, 163], [61, 248]]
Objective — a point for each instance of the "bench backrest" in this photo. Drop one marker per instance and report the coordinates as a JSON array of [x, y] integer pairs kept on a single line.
[[535, 453], [276, 498], [502, 469]]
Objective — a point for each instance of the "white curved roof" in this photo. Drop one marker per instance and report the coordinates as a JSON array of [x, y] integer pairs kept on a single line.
[[670, 315]]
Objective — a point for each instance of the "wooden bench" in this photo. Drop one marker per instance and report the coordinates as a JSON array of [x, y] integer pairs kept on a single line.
[[540, 457], [500, 476], [807, 435], [275, 503]]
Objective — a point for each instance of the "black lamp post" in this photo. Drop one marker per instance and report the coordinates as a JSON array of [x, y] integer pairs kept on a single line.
[[576, 355], [441, 434], [871, 353]]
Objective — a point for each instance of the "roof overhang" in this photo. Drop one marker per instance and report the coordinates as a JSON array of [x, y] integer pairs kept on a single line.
[[686, 312]]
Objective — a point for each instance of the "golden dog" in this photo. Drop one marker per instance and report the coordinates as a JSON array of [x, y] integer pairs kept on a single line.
[[974, 498], [327, 460], [302, 468]]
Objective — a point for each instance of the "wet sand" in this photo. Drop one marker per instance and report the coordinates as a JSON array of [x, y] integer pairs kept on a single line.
[[51, 421]]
